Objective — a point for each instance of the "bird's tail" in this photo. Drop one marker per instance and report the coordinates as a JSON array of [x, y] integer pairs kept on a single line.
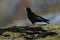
[[47, 22]]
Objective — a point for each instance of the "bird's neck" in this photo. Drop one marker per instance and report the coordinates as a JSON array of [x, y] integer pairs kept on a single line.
[[31, 13]]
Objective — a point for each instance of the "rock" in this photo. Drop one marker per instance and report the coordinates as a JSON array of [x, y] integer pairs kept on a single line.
[[50, 28]]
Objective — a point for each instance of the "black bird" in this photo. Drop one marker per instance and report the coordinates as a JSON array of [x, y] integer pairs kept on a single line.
[[35, 18]]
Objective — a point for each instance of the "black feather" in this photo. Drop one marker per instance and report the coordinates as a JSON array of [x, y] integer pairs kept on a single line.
[[35, 18]]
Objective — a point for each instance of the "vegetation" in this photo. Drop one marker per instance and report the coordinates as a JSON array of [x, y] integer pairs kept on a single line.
[[49, 28]]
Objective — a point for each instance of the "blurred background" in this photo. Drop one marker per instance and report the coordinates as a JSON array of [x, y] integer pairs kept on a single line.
[[12, 12]]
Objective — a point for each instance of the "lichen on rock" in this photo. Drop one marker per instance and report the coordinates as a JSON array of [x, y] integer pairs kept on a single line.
[[48, 27]]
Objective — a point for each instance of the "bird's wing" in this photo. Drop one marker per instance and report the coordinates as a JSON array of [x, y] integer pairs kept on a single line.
[[41, 18]]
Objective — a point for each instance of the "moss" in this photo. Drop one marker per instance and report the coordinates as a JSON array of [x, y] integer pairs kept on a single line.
[[50, 28]]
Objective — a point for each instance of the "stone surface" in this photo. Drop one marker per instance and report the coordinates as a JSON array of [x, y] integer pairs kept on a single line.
[[49, 28]]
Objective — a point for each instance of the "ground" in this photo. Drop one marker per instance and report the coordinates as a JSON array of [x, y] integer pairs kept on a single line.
[[49, 28]]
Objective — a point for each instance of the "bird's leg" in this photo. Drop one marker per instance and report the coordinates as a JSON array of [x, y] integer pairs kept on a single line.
[[32, 25]]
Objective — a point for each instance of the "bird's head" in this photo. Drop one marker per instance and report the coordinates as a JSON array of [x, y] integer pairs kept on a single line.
[[28, 9]]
